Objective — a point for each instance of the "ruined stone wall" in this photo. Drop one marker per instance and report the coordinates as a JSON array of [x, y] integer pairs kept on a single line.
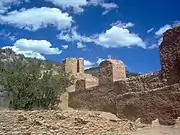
[[170, 55], [111, 70], [99, 98], [102, 97], [73, 65], [150, 96], [162, 103], [80, 84], [141, 83], [70, 65]]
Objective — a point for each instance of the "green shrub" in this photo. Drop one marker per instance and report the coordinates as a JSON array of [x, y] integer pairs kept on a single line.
[[33, 87]]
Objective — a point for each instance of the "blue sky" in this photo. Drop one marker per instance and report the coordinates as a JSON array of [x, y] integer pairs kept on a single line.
[[95, 29]]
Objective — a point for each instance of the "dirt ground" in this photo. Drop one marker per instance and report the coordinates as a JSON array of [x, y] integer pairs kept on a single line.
[[160, 130]]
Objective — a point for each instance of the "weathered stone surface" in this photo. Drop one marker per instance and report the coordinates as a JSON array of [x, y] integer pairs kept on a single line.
[[111, 70], [103, 97], [62, 123], [162, 103], [170, 55], [80, 85]]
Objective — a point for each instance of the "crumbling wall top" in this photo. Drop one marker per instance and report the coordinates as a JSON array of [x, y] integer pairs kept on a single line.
[[111, 70], [112, 61], [170, 36]]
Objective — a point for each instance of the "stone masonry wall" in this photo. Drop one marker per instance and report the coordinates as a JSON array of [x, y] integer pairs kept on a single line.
[[73, 65], [80, 84], [70, 65], [102, 97], [162, 103], [111, 70], [170, 55]]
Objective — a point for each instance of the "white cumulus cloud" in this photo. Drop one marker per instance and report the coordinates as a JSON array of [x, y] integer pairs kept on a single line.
[[28, 54], [119, 37], [79, 5], [36, 18], [34, 48]]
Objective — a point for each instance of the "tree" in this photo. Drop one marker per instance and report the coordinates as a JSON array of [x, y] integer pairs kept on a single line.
[[33, 87]]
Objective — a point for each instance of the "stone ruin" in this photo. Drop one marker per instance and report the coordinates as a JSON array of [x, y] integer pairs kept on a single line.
[[148, 97], [111, 70]]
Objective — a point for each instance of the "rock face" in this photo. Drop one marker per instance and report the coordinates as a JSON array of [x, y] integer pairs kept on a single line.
[[62, 123], [148, 97]]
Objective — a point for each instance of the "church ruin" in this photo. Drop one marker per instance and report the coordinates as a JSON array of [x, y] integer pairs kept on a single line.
[[149, 96]]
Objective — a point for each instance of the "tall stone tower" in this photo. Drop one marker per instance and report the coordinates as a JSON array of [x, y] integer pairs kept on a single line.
[[111, 70], [73, 65]]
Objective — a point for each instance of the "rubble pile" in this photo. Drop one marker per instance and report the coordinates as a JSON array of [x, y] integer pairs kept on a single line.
[[62, 123]]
